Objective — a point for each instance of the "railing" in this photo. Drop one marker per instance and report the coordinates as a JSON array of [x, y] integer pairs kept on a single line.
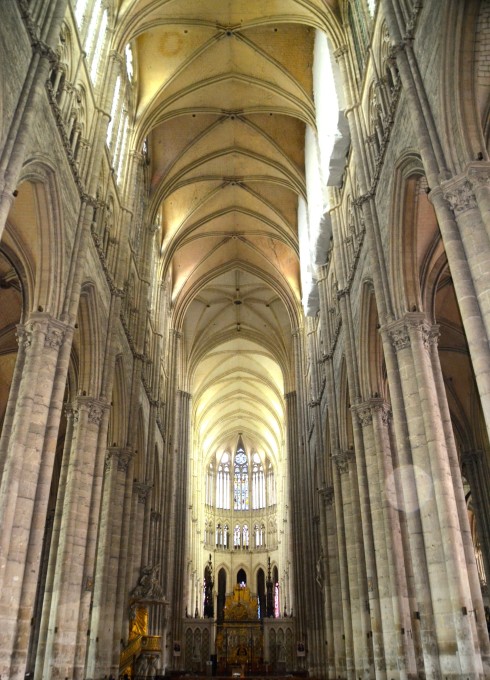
[[140, 644]]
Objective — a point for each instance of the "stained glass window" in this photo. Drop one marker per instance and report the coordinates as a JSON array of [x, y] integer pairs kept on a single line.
[[240, 489], [223, 483], [237, 534]]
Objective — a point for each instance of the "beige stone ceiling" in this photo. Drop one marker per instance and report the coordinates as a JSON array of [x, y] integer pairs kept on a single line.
[[224, 95]]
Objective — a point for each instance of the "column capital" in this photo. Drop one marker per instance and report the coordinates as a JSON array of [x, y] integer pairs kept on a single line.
[[399, 331], [41, 322], [364, 413], [340, 52], [459, 193], [342, 459], [343, 292], [143, 490], [374, 407], [116, 57], [95, 408], [478, 174], [326, 493], [123, 456]]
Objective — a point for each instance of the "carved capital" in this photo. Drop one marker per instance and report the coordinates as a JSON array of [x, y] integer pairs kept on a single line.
[[343, 292], [327, 494], [340, 52], [39, 324], [55, 334], [123, 457], [381, 409], [156, 516], [434, 334], [117, 58], [143, 490], [416, 321], [364, 414], [21, 336], [400, 331], [95, 413], [460, 195], [399, 336], [94, 408], [342, 460], [68, 410], [108, 462], [479, 175]]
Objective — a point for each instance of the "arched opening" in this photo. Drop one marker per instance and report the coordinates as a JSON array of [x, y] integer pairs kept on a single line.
[[261, 592], [241, 577], [220, 606]]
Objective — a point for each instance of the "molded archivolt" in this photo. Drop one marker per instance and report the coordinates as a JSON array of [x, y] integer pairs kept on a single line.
[[34, 232], [88, 341], [117, 432], [371, 358], [464, 117]]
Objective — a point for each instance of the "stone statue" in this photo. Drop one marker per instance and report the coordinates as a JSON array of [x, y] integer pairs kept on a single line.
[[151, 671], [141, 665], [148, 587]]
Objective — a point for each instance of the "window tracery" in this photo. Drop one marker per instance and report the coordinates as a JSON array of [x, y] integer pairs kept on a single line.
[[240, 484], [243, 483]]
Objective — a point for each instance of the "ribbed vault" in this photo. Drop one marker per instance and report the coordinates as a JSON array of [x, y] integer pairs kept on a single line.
[[225, 92]]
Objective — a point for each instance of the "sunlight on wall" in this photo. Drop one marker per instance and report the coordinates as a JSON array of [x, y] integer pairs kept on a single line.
[[325, 152]]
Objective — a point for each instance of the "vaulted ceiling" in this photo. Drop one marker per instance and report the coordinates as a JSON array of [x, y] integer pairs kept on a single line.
[[224, 94]]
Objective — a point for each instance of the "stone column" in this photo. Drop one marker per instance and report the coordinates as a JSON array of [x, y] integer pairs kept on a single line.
[[103, 621], [361, 537], [460, 194], [329, 581], [70, 577], [374, 416], [478, 174], [310, 627], [182, 423], [341, 614], [378, 586], [447, 590], [121, 611], [23, 470], [141, 491], [472, 572], [345, 661], [475, 469], [13, 396]]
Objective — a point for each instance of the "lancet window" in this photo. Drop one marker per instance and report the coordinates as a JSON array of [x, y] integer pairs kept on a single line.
[[241, 481], [254, 486], [118, 128], [258, 483], [223, 483]]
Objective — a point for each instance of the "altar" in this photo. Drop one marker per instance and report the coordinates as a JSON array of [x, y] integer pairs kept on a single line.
[[240, 638]]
